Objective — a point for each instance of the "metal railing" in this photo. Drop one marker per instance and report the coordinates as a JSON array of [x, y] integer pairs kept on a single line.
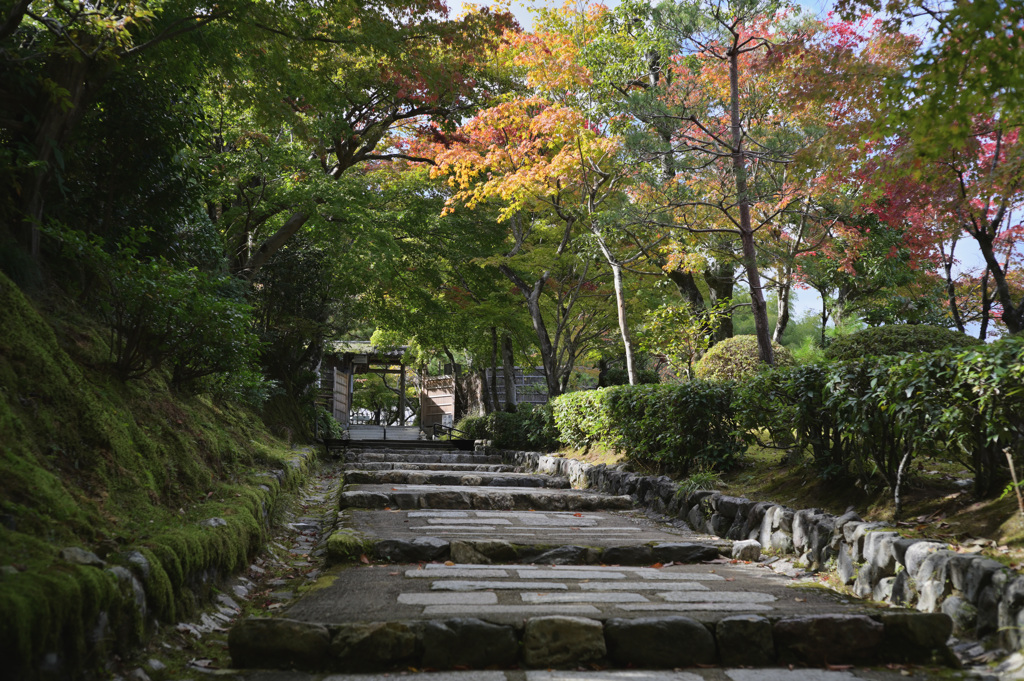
[[441, 429]]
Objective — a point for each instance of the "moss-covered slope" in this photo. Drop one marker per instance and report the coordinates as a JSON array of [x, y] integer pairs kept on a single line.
[[170, 493]]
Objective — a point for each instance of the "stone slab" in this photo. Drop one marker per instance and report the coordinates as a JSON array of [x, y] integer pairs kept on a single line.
[[704, 592], [462, 497], [413, 466], [428, 476]]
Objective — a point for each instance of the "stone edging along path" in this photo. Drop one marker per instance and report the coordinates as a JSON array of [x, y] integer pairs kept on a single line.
[[982, 596]]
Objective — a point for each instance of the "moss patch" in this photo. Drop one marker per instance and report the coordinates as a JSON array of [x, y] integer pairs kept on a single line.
[[130, 471]]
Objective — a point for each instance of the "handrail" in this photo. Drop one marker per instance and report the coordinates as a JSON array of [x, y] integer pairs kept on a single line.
[[450, 431]]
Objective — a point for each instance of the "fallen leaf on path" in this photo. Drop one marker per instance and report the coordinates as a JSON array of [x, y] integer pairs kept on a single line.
[[449, 563], [800, 600], [364, 559], [658, 565], [838, 667]]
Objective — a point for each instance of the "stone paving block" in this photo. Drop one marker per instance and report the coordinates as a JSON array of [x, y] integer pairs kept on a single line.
[[520, 610], [570, 574], [562, 641], [695, 607], [643, 586], [583, 597], [684, 552], [468, 642], [477, 585], [627, 555], [717, 597], [789, 675], [461, 571], [916, 638], [282, 643], [828, 639], [659, 642], [449, 598], [411, 551], [370, 646], [745, 641]]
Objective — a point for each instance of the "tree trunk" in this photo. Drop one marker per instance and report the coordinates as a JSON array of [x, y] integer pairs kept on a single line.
[[620, 306], [760, 310], [783, 321], [947, 265], [1013, 315], [495, 404], [986, 306], [509, 366], [274, 243], [721, 283], [547, 352]]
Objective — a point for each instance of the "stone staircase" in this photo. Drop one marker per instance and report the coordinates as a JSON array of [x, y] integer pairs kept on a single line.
[[480, 567]]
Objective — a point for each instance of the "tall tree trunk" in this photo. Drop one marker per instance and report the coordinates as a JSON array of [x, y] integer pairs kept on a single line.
[[758, 306], [547, 351], [620, 306], [986, 307], [495, 404], [783, 306], [721, 282], [509, 366], [947, 265]]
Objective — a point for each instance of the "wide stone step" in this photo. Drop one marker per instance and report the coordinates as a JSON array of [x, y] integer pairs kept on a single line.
[[468, 479], [479, 498], [408, 466], [420, 456], [472, 616]]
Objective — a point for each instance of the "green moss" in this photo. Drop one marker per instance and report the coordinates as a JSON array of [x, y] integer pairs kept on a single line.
[[113, 467], [346, 545]]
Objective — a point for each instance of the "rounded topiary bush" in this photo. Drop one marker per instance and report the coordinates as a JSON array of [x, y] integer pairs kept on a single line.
[[736, 358], [891, 340]]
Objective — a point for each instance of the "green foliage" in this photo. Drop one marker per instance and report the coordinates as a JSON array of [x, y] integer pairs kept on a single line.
[[90, 461], [868, 417], [327, 426], [581, 417], [789, 404], [618, 376], [676, 425], [891, 340], [473, 428], [737, 358], [701, 479], [529, 428]]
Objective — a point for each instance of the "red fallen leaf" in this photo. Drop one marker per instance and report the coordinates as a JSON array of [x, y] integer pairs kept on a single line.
[[658, 565], [387, 508], [730, 579], [577, 515], [394, 574], [364, 559]]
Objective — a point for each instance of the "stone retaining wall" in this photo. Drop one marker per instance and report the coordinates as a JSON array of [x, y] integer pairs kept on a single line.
[[982, 596]]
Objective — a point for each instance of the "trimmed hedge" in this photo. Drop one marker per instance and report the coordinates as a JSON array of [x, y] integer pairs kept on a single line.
[[737, 358], [894, 339], [676, 425], [877, 415], [529, 427]]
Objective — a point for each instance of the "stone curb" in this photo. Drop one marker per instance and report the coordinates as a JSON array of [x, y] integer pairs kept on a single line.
[[982, 596], [492, 551], [567, 642]]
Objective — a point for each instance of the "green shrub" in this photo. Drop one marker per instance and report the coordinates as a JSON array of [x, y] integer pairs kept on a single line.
[[581, 418], [736, 358], [472, 428], [677, 425], [894, 339], [529, 428], [617, 376], [789, 404]]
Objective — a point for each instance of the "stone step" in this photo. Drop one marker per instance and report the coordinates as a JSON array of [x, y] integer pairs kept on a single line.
[[409, 466], [563, 538], [692, 674], [475, 616], [479, 498], [459, 478], [420, 456]]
